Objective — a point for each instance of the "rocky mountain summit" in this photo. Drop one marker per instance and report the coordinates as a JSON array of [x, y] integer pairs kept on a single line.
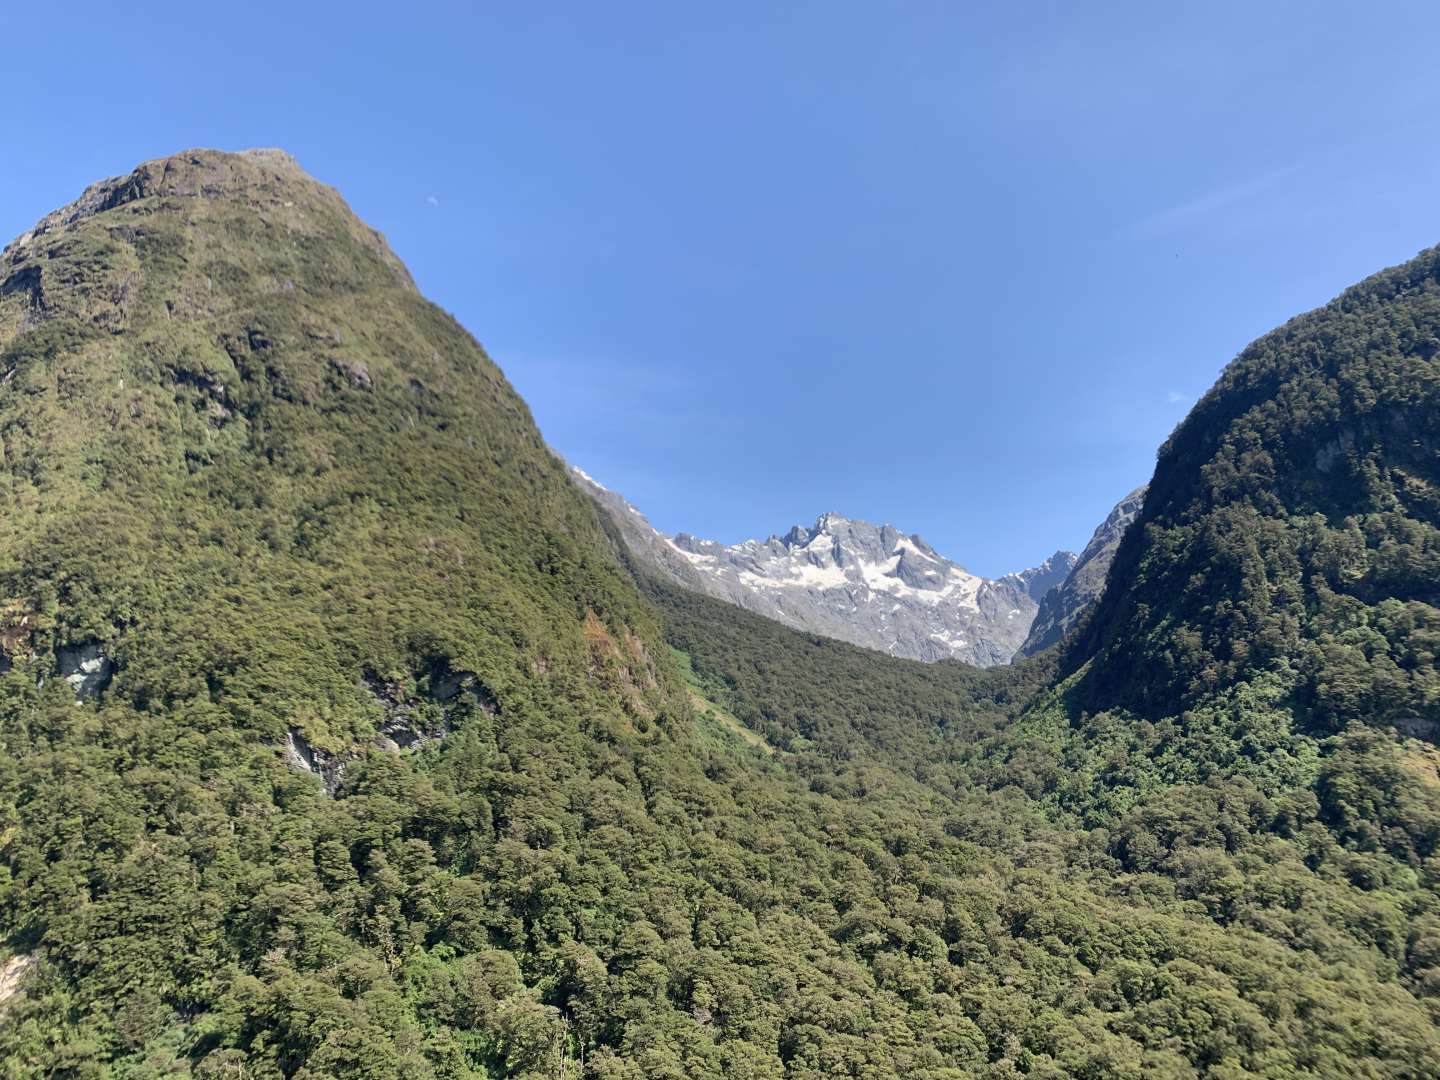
[[871, 585], [1062, 606]]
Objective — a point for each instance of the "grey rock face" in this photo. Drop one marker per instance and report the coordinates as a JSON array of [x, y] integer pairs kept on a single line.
[[12, 974], [444, 699], [1039, 580], [1063, 606], [871, 585], [299, 754], [85, 668], [447, 698]]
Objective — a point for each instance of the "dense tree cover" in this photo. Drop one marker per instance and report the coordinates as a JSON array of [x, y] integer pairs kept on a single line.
[[815, 696], [1294, 518], [1255, 699], [302, 512], [1228, 828]]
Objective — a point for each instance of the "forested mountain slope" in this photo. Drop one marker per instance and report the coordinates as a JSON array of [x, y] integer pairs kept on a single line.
[[1249, 717], [339, 742], [1218, 920], [1292, 524]]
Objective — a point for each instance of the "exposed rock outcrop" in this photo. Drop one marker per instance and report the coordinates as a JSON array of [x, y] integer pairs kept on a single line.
[[85, 667], [444, 699], [329, 767], [12, 975]]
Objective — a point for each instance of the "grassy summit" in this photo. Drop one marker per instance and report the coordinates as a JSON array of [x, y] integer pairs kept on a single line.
[[381, 766]]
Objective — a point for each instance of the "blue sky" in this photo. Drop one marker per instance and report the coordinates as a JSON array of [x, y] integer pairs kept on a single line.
[[961, 267]]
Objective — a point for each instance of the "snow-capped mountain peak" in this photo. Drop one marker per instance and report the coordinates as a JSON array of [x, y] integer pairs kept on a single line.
[[872, 585]]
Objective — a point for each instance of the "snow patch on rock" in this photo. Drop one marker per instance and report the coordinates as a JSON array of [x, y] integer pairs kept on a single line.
[[871, 585]]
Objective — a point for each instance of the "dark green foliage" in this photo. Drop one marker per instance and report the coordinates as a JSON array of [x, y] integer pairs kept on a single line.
[[1294, 516], [804, 692], [1212, 880]]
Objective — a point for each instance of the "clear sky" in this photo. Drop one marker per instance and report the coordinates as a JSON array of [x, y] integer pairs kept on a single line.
[[961, 267]]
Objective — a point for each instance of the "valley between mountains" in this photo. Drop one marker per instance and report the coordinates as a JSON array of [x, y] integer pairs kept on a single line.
[[877, 587], [346, 734]]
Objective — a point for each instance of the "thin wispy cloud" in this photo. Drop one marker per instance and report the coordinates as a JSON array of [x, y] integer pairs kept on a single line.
[[1196, 211], [432, 200], [605, 393], [1174, 397]]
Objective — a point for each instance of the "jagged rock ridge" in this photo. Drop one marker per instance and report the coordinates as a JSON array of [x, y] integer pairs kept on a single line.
[[871, 585], [1062, 607]]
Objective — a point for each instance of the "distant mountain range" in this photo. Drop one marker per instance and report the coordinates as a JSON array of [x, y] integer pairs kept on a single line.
[[871, 585]]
